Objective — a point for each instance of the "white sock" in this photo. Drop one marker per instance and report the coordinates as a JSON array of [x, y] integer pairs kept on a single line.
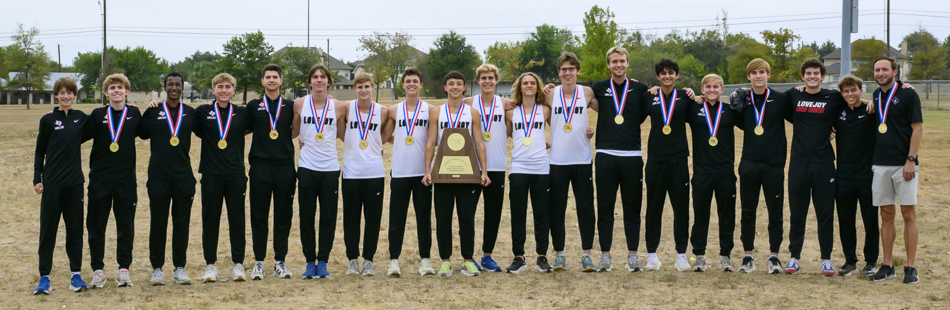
[[750, 256], [260, 262], [585, 254], [46, 276], [562, 254], [651, 255], [605, 255], [75, 272], [278, 263], [680, 256], [770, 256], [632, 255]]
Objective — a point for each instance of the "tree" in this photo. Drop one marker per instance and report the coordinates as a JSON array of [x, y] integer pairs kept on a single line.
[[787, 59], [142, 67], [244, 57], [826, 48], [28, 57], [600, 34], [187, 67], [863, 54], [504, 55], [542, 49], [748, 49], [200, 78], [296, 63], [450, 53], [709, 48], [928, 57], [389, 55], [90, 65]]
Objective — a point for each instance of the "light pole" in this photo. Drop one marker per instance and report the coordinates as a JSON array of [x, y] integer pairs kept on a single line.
[[308, 24]]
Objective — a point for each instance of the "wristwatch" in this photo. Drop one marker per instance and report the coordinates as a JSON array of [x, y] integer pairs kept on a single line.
[[911, 158]]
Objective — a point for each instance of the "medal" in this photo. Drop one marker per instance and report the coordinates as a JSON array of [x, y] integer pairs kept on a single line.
[[486, 117], [760, 114], [173, 128], [318, 121], [458, 116], [569, 111], [667, 113], [273, 118], [527, 126], [568, 127], [713, 129], [319, 137], [114, 132], [618, 105], [362, 126], [410, 140], [526, 141], [222, 128], [486, 136], [410, 122], [883, 107]]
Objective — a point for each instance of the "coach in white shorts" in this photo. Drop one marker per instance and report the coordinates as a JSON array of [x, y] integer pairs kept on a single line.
[[895, 165]]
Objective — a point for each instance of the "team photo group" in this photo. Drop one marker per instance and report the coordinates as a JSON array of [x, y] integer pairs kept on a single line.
[[548, 159]]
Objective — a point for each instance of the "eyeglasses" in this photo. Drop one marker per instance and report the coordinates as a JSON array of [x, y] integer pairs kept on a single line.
[[568, 70]]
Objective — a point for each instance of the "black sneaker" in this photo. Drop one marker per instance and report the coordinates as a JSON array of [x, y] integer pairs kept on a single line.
[[869, 270], [886, 272], [543, 265], [847, 269], [748, 265], [517, 266], [910, 275]]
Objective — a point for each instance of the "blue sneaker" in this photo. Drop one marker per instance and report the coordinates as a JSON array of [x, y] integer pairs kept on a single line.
[[489, 264], [43, 287], [322, 270], [311, 271], [77, 284], [477, 266], [560, 262]]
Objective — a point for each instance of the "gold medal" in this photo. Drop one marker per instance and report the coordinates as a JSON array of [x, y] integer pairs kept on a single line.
[[568, 127], [319, 137], [173, 141], [410, 140], [882, 128], [759, 130], [526, 141], [618, 119], [713, 141], [273, 135], [667, 129], [486, 136], [364, 144], [222, 144], [114, 147]]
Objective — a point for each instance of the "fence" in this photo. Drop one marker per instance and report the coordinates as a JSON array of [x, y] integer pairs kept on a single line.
[[934, 94]]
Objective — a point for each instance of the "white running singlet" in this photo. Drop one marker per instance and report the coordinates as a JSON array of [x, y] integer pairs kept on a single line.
[[360, 163], [569, 148], [496, 149], [409, 160], [531, 159], [318, 156]]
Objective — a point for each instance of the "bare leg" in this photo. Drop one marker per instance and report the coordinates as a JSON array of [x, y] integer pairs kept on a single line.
[[910, 233], [888, 233]]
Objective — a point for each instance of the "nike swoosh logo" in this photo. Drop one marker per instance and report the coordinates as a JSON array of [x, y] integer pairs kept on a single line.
[[861, 116]]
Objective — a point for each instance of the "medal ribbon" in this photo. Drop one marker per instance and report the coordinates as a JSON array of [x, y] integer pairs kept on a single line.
[[273, 119], [487, 119], [222, 130], [411, 126], [364, 129], [886, 105], [528, 126], [667, 116], [569, 114], [177, 125], [113, 131], [458, 117], [623, 101], [760, 115], [318, 122], [712, 130]]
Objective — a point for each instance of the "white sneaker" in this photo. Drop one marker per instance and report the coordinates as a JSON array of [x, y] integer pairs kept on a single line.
[[368, 269], [282, 271], [653, 263], [394, 269], [258, 272], [682, 264], [181, 277], [158, 277], [98, 279], [425, 267], [123, 278], [237, 273], [211, 274], [354, 267]]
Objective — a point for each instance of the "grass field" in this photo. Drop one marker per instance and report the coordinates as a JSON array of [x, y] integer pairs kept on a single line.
[[666, 288]]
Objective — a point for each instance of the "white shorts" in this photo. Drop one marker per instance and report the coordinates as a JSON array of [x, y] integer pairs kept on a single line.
[[889, 187]]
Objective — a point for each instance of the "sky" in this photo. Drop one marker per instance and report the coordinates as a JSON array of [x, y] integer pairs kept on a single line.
[[175, 29]]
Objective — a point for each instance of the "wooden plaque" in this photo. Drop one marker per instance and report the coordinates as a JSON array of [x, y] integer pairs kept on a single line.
[[455, 160]]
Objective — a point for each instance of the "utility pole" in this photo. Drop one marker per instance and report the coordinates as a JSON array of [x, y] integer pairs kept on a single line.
[[104, 49], [328, 53], [59, 55], [849, 25], [888, 27], [308, 24]]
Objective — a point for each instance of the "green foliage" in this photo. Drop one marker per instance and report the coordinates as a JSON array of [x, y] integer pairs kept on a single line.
[[28, 57], [187, 67], [826, 48], [787, 59], [863, 53], [600, 35], [928, 57], [708, 48], [642, 66], [450, 53], [90, 65], [542, 49], [143, 68], [244, 57], [747, 50], [296, 63], [389, 55], [504, 55]]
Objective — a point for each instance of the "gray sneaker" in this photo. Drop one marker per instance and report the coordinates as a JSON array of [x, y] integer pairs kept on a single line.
[[605, 264], [258, 272], [725, 264], [425, 267], [587, 264], [122, 279], [237, 273], [98, 279], [700, 264], [282, 271], [560, 263], [869, 270], [211, 274], [368, 268], [158, 277], [354, 267], [181, 277], [633, 263]]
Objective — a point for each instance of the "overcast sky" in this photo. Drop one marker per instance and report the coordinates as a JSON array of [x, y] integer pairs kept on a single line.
[[175, 29]]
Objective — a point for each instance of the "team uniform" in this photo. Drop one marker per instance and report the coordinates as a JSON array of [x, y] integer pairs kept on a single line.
[[529, 173], [892, 146], [854, 139], [363, 180], [449, 197], [318, 177], [496, 153], [406, 181]]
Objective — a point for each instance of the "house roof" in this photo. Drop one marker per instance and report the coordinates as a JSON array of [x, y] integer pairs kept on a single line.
[[53, 76], [837, 53], [833, 69], [335, 64]]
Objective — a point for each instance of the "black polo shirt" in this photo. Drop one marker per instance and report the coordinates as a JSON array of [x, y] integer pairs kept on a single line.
[[57, 162], [663, 147], [105, 165], [215, 161], [169, 162], [265, 150], [893, 146], [722, 157], [854, 139], [771, 147], [610, 136]]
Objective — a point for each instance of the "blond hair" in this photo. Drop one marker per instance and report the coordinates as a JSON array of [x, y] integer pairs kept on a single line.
[[618, 50], [850, 80], [485, 68], [116, 78], [712, 77], [361, 78], [223, 78], [516, 89], [757, 64]]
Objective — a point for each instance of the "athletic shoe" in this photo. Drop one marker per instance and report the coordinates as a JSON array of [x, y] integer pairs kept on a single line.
[[354, 267], [748, 264], [43, 287], [869, 270], [560, 262], [725, 263], [158, 277], [446, 269], [827, 269], [211, 274], [587, 264], [98, 279], [517, 266], [700, 264], [847, 269], [886, 272], [180, 277], [122, 279], [237, 273], [477, 267], [910, 275], [393, 268], [605, 264], [775, 265], [425, 267], [653, 263], [322, 270], [311, 271], [258, 272], [793, 266], [633, 263], [489, 264], [542, 265], [681, 263], [368, 269], [469, 269], [282, 271], [76, 284]]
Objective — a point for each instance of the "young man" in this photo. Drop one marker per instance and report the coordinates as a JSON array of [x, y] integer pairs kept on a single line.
[[895, 165], [406, 127], [762, 165], [316, 120], [171, 182], [448, 197], [711, 124], [363, 174], [529, 170], [492, 110], [112, 184], [272, 172], [57, 175], [221, 127]]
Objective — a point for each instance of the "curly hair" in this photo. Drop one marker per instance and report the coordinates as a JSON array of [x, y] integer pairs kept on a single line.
[[516, 89]]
